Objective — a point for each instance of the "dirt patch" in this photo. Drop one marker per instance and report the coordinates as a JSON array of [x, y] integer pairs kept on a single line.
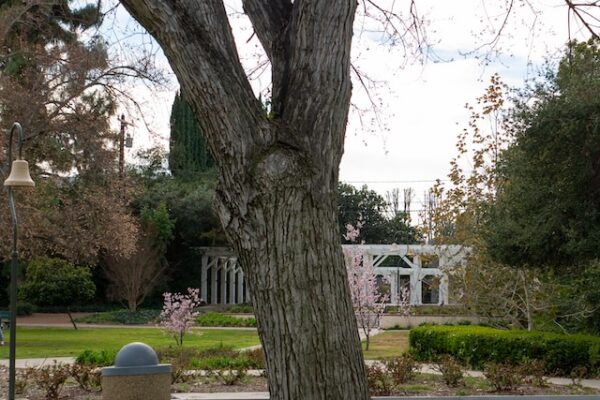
[[48, 319]]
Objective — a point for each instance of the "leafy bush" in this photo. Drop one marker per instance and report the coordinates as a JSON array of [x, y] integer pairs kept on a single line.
[[476, 345], [446, 310], [94, 358], [379, 381], [229, 376], [180, 359], [241, 309], [503, 376], [56, 282], [238, 361], [212, 318], [452, 371], [121, 317], [24, 308], [401, 369]]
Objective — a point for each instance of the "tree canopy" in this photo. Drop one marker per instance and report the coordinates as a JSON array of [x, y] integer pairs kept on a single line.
[[380, 224], [188, 153], [547, 211]]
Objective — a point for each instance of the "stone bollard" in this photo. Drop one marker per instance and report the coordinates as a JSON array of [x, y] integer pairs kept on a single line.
[[136, 375]]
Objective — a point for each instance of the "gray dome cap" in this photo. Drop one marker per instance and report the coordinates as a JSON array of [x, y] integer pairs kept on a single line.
[[136, 359], [136, 354]]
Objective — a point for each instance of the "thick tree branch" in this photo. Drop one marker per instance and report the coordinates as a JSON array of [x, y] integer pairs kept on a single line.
[[270, 19], [197, 39]]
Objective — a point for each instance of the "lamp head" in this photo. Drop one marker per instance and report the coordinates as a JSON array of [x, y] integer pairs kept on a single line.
[[19, 175]]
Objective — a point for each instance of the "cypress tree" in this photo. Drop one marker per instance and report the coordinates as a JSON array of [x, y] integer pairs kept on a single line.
[[188, 153]]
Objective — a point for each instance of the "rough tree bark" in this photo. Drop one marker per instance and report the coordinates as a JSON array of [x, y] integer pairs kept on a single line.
[[278, 174]]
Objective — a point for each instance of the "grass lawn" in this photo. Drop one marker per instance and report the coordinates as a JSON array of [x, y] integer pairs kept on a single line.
[[63, 342], [386, 344]]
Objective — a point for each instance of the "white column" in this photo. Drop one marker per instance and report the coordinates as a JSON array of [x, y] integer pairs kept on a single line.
[[224, 271], [415, 288], [393, 279], [214, 270], [240, 286], [204, 278], [232, 269]]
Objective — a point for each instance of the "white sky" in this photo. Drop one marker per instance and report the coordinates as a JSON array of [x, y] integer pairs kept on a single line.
[[422, 103]]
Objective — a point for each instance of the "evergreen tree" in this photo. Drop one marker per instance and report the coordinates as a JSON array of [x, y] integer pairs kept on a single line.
[[188, 154]]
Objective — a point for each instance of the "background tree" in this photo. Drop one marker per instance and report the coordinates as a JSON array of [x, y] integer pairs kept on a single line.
[[374, 212], [458, 214], [132, 278], [58, 82], [188, 153], [278, 174], [547, 212], [56, 282]]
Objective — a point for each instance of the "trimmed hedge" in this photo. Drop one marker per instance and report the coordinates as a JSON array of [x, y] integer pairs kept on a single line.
[[476, 345], [212, 318]]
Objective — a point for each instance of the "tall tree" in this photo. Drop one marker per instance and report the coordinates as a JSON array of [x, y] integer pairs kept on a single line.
[[188, 153], [373, 212], [56, 79], [548, 211], [278, 171], [278, 174]]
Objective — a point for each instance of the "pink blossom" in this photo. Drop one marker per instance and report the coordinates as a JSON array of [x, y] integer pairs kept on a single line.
[[178, 313]]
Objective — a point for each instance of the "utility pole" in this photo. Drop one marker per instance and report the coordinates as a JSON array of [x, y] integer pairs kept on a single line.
[[122, 148]]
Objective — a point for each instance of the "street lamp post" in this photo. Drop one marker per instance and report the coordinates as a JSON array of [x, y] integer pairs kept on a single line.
[[18, 177]]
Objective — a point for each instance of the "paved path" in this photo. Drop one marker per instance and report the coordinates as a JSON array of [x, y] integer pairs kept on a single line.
[[265, 396], [61, 320]]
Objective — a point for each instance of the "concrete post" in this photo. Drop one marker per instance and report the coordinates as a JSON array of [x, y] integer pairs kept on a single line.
[[136, 375]]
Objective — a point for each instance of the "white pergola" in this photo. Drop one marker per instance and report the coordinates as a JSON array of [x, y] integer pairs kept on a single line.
[[222, 278]]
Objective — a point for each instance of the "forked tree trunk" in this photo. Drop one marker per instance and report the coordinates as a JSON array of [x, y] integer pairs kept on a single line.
[[278, 174], [300, 292]]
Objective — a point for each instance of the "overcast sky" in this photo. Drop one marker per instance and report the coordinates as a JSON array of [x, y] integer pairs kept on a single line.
[[410, 142]]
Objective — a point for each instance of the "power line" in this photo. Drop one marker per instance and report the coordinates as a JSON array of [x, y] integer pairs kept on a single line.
[[407, 181]]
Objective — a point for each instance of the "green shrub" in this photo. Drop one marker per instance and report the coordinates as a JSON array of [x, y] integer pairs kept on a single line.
[[241, 309], [24, 308], [100, 358], [212, 318], [220, 357], [56, 282], [180, 359], [121, 317], [476, 345]]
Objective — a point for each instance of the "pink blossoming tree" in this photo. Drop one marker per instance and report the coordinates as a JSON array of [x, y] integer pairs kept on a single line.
[[367, 299], [178, 313]]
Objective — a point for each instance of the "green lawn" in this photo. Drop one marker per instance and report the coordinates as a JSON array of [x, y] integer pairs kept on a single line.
[[387, 344], [63, 342]]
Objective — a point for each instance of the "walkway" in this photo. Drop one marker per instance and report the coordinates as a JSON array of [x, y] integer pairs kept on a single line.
[[59, 320]]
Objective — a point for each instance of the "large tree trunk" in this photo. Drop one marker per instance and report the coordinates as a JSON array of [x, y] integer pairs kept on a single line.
[[278, 174]]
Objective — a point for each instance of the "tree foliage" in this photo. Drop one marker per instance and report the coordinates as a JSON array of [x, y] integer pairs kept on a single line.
[[56, 79], [372, 210], [188, 153], [56, 282], [133, 277], [548, 209]]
